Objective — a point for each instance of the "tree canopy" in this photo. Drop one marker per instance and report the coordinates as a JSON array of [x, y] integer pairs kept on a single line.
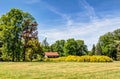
[[108, 43], [58, 46], [12, 25], [75, 47]]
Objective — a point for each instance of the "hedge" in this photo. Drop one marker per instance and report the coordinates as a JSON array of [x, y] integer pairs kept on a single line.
[[82, 59]]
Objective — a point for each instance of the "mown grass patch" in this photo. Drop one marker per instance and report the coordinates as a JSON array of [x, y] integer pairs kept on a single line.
[[59, 70]]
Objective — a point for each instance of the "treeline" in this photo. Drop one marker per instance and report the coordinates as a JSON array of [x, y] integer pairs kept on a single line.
[[108, 45], [19, 41], [66, 47]]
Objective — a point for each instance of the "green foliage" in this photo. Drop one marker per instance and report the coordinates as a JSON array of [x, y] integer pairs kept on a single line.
[[75, 47], [118, 51], [45, 46], [81, 48], [82, 59], [11, 28], [58, 46], [70, 47], [34, 50], [98, 49], [108, 43], [93, 50]]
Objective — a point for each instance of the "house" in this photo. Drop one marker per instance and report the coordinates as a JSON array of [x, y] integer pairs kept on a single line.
[[51, 54]]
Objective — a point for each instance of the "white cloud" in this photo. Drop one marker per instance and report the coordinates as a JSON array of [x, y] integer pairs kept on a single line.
[[89, 32], [68, 19], [89, 9]]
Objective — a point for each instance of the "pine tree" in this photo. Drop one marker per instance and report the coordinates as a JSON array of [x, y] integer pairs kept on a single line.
[[98, 49], [93, 50]]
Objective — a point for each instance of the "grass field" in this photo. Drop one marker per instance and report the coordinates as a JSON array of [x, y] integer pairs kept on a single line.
[[59, 70]]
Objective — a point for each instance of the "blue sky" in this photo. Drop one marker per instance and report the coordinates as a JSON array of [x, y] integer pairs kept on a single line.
[[63, 19]]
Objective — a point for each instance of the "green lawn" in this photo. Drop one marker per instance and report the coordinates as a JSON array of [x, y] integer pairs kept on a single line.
[[59, 70]]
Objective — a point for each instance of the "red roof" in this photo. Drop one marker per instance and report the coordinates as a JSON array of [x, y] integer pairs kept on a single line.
[[51, 54]]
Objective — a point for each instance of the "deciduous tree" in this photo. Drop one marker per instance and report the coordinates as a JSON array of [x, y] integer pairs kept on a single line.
[[58, 46]]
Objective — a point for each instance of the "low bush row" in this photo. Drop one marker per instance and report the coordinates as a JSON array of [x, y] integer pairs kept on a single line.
[[82, 59]]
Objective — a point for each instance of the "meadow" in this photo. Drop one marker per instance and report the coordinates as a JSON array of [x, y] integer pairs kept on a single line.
[[59, 70]]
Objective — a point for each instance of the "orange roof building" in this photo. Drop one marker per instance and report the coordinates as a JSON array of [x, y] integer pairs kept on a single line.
[[51, 54]]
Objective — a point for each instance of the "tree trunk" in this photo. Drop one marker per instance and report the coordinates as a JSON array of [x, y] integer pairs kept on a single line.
[[24, 49], [13, 57]]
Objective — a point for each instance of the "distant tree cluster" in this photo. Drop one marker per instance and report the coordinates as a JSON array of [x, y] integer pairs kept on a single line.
[[65, 48], [109, 45]]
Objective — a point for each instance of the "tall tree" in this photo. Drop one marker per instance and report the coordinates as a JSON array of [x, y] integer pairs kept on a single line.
[[58, 46], [34, 50], [93, 50], [75, 47], [98, 50], [29, 33], [108, 43], [0, 49], [11, 29], [70, 47], [81, 48], [118, 50], [11, 26], [45, 45]]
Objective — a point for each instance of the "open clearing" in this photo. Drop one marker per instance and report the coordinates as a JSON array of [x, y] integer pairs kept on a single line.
[[59, 70]]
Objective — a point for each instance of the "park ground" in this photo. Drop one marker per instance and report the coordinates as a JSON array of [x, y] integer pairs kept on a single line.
[[59, 70]]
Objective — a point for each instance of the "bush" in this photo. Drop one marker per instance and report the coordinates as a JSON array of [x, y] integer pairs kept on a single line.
[[81, 59]]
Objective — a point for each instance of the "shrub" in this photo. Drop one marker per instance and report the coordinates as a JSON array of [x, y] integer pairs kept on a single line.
[[81, 59]]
